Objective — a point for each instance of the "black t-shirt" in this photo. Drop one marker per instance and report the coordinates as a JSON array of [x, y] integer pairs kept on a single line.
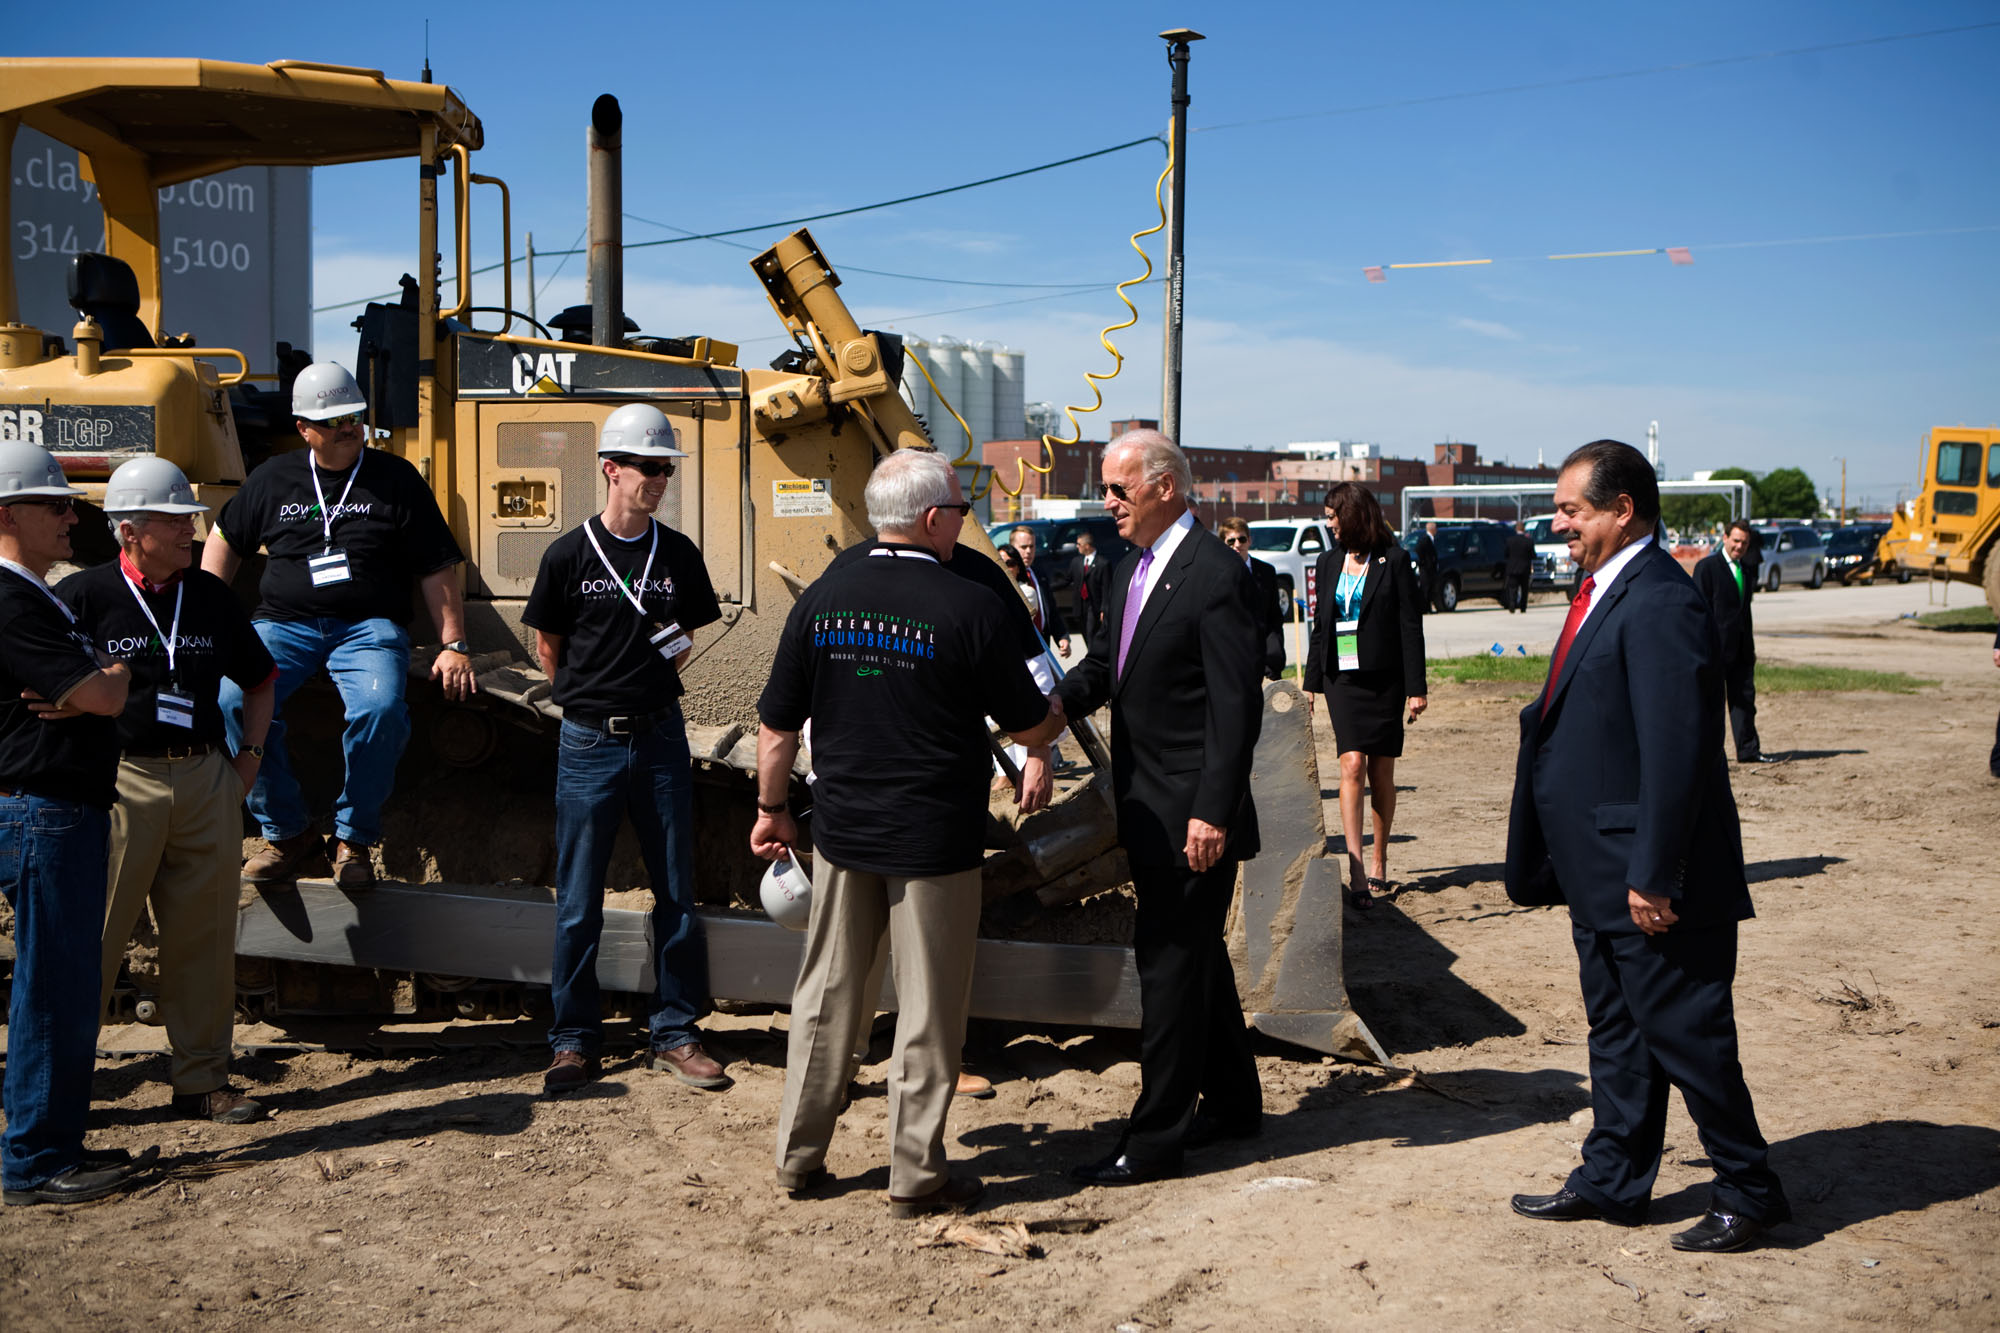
[[389, 526], [610, 666], [75, 759], [215, 640], [973, 567], [898, 664]]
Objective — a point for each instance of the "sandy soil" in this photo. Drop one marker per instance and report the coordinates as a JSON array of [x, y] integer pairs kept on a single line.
[[438, 1189]]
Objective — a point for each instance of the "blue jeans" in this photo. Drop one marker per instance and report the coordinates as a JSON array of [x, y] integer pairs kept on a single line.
[[369, 661], [52, 867], [600, 779]]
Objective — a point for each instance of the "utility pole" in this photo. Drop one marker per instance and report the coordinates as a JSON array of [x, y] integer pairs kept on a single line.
[[1842, 515], [531, 277], [1177, 40]]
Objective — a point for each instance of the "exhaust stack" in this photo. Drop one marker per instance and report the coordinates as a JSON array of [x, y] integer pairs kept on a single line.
[[607, 222]]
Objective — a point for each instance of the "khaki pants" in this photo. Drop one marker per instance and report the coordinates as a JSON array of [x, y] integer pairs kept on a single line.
[[933, 927], [176, 837]]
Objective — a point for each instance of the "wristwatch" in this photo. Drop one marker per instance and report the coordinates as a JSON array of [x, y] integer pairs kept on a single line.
[[254, 751], [459, 646], [772, 809]]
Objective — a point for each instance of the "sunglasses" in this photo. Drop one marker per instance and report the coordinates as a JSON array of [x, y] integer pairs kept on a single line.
[[1113, 490], [961, 509], [1236, 539], [63, 505], [341, 423], [648, 467]]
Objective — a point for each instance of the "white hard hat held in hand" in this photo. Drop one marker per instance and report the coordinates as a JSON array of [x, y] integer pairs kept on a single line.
[[787, 893]]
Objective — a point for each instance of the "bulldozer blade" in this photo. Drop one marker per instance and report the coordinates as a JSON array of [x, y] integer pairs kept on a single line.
[[1284, 937]]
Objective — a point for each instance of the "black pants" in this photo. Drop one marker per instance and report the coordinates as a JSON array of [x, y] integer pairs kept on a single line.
[[1739, 683], [1516, 598], [1193, 1045], [1662, 1015]]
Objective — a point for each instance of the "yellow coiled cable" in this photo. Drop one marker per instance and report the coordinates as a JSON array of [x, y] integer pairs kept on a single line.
[[1091, 378]]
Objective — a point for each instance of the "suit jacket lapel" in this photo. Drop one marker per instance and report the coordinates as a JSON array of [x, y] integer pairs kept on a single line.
[[1377, 575], [1607, 600], [1163, 591]]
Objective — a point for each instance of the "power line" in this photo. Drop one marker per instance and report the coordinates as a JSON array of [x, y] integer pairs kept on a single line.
[[960, 310], [815, 217], [1585, 79]]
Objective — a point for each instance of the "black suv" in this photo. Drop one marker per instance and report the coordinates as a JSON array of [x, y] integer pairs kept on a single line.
[[1850, 552], [1055, 549], [1472, 561]]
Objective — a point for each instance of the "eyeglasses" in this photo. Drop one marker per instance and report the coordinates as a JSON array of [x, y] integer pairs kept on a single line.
[[55, 505], [961, 509], [648, 467]]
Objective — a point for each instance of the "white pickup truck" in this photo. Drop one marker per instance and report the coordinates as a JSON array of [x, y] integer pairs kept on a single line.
[[1292, 546]]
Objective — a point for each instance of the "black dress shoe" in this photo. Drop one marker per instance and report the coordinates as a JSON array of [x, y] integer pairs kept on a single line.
[[1565, 1205], [1212, 1129], [1122, 1169], [79, 1184], [1718, 1233]]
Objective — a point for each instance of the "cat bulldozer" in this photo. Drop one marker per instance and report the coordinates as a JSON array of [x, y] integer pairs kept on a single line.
[[500, 415], [1951, 531]]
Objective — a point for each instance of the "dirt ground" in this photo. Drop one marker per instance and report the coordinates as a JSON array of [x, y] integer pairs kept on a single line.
[[441, 1190]]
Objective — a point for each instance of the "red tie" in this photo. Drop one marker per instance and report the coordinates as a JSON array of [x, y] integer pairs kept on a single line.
[[1577, 610]]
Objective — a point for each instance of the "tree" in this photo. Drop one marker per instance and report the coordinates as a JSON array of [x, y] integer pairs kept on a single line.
[[1786, 493], [1693, 513]]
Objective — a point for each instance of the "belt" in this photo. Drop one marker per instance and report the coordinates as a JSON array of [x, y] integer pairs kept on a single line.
[[194, 751], [623, 724]]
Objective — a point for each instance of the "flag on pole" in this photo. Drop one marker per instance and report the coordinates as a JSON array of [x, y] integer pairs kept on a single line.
[[1374, 273], [1679, 254]]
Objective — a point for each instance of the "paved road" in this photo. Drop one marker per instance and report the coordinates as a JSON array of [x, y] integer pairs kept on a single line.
[[1477, 625]]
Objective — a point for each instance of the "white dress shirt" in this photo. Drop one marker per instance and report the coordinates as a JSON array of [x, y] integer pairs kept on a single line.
[[1608, 573]]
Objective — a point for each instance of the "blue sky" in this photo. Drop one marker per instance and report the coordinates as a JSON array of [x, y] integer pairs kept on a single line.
[[1756, 355]]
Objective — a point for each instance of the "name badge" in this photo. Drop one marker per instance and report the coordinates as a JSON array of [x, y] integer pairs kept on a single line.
[[671, 641], [174, 710], [1347, 642], [328, 568]]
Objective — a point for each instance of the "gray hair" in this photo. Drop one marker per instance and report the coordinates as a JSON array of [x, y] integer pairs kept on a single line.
[[1158, 457], [904, 486]]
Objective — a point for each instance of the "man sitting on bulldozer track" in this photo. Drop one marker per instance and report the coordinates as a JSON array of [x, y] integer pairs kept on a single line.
[[612, 608], [346, 529]]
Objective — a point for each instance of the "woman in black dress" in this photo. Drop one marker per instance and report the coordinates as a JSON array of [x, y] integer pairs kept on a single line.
[[1367, 657]]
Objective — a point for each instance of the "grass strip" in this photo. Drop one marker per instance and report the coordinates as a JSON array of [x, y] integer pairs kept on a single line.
[[1961, 619], [1772, 677]]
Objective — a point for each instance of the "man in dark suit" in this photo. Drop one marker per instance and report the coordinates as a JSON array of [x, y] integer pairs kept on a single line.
[[1178, 663], [1729, 585], [1520, 568], [1235, 534], [1090, 575], [1426, 550], [1622, 811]]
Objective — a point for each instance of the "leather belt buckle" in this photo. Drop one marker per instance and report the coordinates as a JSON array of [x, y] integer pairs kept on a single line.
[[619, 726]]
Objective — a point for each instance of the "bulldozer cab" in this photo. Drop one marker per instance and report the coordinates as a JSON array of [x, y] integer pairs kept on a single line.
[[1951, 530]]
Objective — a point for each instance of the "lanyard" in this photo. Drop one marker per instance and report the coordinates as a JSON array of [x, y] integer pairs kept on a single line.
[[1348, 592], [619, 579], [325, 514], [170, 637], [31, 577]]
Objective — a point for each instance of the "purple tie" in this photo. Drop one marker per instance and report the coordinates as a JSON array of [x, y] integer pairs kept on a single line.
[[1135, 598]]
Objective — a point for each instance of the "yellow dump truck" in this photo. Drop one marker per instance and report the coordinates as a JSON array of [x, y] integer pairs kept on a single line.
[[501, 418], [1951, 530]]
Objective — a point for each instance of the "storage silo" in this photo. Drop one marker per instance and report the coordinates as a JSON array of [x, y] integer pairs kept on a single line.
[[1010, 394], [948, 369], [978, 389], [916, 388]]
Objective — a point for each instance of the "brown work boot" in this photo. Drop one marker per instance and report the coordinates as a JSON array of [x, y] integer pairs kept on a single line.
[[353, 865], [691, 1065], [282, 860], [957, 1194], [224, 1106], [570, 1071]]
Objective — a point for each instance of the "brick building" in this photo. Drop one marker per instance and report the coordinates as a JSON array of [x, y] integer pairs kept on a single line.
[[1459, 464], [1386, 477]]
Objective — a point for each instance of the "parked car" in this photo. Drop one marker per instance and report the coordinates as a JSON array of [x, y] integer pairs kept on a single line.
[[1792, 553], [1055, 548], [1292, 546], [1472, 560], [1850, 553], [1553, 566]]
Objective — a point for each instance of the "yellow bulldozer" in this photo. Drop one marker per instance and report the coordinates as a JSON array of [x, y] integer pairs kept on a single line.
[[500, 416], [1951, 530]]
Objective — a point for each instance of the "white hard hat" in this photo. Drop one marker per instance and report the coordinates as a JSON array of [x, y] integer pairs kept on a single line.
[[150, 486], [28, 470], [640, 430], [787, 893], [324, 390]]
